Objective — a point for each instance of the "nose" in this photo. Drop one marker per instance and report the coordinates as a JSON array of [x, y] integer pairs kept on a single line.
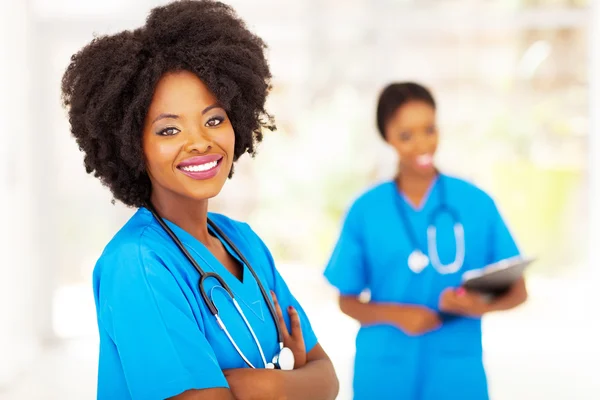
[[423, 144], [197, 141]]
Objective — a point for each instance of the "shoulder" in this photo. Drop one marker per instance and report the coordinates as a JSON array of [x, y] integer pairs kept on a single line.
[[227, 224], [466, 192], [372, 195], [240, 233], [248, 242], [132, 248], [234, 229], [466, 188]]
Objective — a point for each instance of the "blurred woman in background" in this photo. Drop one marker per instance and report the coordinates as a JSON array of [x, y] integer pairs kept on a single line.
[[408, 241]]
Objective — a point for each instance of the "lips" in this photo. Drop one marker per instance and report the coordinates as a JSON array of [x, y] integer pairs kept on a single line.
[[425, 160], [201, 167], [199, 161]]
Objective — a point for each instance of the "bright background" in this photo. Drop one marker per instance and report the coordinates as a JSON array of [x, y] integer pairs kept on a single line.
[[517, 82]]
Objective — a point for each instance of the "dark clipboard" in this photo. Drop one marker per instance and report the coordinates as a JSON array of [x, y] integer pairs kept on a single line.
[[497, 278]]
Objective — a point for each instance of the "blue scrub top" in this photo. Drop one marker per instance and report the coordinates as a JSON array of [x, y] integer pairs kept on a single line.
[[372, 253], [157, 336]]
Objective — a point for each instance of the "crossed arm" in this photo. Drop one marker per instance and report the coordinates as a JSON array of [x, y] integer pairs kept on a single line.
[[313, 376]]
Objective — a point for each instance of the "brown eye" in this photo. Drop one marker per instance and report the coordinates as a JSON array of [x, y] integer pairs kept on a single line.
[[431, 130], [405, 136], [216, 121], [168, 131]]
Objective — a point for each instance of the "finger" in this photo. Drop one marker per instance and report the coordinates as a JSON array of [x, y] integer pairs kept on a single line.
[[452, 298], [445, 292], [455, 303], [295, 323], [280, 318], [462, 303]]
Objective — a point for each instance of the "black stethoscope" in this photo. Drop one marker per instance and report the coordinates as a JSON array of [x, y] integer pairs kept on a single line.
[[418, 260], [284, 360]]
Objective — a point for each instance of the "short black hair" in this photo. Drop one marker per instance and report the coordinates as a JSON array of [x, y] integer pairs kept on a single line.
[[108, 87], [394, 96]]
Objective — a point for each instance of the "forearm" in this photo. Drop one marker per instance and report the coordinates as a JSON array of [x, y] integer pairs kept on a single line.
[[516, 296], [205, 394], [375, 313], [315, 380]]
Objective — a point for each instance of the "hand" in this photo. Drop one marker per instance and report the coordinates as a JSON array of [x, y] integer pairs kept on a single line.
[[255, 384], [462, 302], [294, 340], [415, 320]]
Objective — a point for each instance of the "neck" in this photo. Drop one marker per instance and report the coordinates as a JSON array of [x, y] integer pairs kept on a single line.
[[190, 215], [414, 185]]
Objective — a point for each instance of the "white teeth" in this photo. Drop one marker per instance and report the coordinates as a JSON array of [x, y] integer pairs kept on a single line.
[[425, 159], [200, 168]]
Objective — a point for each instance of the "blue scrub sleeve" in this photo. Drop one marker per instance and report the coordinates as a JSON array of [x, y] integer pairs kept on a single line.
[[502, 244], [346, 267], [286, 298], [162, 350]]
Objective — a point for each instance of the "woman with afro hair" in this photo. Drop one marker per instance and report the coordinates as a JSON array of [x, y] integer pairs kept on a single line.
[[161, 113]]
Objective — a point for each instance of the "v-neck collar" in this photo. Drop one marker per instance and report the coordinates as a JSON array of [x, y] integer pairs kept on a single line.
[[424, 200], [231, 252], [247, 291], [207, 261]]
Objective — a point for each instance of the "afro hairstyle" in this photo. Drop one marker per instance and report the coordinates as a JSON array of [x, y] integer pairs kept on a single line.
[[108, 87]]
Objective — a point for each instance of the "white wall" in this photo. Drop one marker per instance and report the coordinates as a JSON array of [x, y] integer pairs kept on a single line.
[[594, 140], [18, 344]]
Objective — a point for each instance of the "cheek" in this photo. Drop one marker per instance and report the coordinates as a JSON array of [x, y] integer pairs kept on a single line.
[[160, 154], [402, 148], [226, 141]]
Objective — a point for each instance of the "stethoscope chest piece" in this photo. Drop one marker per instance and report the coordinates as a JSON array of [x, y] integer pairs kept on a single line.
[[284, 360], [417, 261]]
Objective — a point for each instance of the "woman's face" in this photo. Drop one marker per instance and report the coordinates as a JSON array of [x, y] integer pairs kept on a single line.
[[188, 140], [412, 132]]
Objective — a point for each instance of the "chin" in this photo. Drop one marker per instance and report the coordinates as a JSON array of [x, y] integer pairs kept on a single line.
[[205, 194], [202, 190], [424, 172], [429, 171]]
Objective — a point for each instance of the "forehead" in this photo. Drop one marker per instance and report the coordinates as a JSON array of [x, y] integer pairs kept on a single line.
[[180, 93], [413, 114]]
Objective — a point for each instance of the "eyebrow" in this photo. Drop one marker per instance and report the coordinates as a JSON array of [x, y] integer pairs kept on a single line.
[[165, 116], [175, 116]]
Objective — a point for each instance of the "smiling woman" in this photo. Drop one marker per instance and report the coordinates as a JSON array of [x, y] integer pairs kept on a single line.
[[186, 135], [162, 113], [408, 241]]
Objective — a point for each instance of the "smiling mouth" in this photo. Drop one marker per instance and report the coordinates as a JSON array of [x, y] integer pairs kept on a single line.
[[200, 167], [425, 160]]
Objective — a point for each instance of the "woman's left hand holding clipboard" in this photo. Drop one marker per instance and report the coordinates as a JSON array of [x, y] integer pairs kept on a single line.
[[462, 302]]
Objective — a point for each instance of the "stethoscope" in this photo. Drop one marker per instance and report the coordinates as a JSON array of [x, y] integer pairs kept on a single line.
[[418, 260], [284, 360]]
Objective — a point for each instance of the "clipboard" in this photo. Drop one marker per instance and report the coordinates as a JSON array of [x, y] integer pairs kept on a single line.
[[497, 278]]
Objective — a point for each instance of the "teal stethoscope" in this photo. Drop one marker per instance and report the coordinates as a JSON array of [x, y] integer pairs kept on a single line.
[[418, 260], [284, 360]]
